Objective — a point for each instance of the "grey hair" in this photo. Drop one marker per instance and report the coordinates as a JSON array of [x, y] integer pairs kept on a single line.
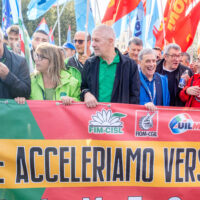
[[143, 52], [171, 46], [135, 40], [106, 30]]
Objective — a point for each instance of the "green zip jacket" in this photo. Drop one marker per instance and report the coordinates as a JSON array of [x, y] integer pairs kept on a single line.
[[69, 86]]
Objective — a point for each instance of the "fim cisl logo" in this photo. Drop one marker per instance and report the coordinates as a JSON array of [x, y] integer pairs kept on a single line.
[[146, 124], [106, 122], [182, 123]]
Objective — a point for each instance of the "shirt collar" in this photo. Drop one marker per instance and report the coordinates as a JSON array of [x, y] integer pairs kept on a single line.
[[115, 60], [146, 79]]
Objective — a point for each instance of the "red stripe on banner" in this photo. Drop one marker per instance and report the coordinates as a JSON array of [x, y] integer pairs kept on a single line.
[[121, 193], [119, 122]]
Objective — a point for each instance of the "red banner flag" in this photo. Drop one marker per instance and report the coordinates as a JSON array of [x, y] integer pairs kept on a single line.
[[186, 30], [175, 14], [114, 151], [118, 8]]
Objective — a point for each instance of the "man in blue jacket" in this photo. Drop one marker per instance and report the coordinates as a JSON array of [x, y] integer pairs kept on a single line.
[[108, 76], [14, 74], [153, 86]]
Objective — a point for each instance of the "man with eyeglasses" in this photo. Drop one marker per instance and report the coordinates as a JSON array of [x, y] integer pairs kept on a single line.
[[14, 74], [170, 65], [109, 76], [78, 60]]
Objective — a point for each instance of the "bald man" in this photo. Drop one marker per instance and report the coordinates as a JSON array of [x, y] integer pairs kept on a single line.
[[109, 76], [78, 60]]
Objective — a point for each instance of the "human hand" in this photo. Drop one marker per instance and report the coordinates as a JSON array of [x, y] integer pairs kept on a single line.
[[90, 100], [17, 47], [83, 58], [67, 100], [186, 77], [3, 71], [20, 100], [150, 106], [193, 90]]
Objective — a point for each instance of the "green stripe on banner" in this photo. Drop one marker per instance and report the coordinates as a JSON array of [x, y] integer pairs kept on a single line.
[[22, 194], [17, 121]]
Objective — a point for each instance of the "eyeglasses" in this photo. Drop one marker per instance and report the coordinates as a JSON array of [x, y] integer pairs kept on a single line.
[[174, 56], [79, 41], [39, 57]]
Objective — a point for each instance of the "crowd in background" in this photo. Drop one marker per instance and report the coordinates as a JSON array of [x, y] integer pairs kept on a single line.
[[150, 77]]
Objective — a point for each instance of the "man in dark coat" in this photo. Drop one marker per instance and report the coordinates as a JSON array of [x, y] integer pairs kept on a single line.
[[109, 76], [171, 67], [14, 74]]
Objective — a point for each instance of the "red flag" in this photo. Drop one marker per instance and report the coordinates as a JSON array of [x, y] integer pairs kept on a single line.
[[118, 8], [186, 29], [175, 12], [51, 37]]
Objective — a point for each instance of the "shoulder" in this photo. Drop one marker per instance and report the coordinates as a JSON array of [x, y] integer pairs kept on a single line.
[[66, 77], [160, 65], [182, 68], [162, 77]]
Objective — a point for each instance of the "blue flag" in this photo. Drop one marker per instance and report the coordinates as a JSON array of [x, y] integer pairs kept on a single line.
[[139, 21], [81, 11], [37, 8], [43, 26], [151, 20], [7, 18]]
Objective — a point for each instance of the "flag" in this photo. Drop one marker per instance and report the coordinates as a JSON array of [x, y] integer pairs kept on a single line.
[[24, 37], [80, 12], [185, 31], [125, 23], [175, 12], [51, 37], [198, 36], [43, 26], [7, 19], [69, 34], [37, 8], [118, 8], [151, 20], [139, 21]]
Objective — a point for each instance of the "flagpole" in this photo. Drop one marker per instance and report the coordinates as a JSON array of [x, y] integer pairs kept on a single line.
[[130, 32], [98, 10], [57, 19], [58, 14], [163, 21], [86, 28], [95, 8]]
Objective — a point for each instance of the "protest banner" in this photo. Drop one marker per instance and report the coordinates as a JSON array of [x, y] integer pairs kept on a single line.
[[114, 151]]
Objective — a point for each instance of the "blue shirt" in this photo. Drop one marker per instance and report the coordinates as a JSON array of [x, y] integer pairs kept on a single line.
[[147, 90]]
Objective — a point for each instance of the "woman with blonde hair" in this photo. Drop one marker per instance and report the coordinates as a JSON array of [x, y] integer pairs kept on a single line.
[[51, 81]]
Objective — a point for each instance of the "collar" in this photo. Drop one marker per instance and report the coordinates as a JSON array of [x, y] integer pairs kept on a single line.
[[116, 59], [146, 79]]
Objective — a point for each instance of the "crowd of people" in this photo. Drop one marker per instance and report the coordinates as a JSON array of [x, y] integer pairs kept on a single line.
[[140, 75]]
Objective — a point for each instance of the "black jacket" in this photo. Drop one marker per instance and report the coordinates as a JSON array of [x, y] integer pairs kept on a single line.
[[178, 72], [74, 62], [17, 82], [126, 87]]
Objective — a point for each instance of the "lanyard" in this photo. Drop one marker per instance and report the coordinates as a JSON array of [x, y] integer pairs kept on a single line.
[[149, 92]]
